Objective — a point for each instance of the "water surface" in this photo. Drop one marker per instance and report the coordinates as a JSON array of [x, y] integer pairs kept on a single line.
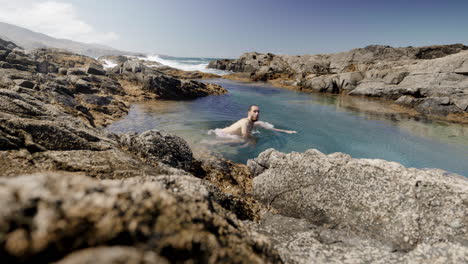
[[362, 128]]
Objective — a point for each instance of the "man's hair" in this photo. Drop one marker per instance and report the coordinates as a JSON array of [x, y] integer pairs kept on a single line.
[[250, 107]]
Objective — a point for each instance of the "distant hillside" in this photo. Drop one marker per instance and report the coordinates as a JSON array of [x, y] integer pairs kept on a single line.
[[29, 40]]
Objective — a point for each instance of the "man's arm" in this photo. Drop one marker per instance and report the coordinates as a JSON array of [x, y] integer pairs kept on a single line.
[[271, 127], [285, 131]]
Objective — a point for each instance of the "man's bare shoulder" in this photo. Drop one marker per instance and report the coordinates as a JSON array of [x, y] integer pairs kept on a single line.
[[241, 121]]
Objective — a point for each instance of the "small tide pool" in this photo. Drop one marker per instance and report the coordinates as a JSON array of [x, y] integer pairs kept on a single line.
[[362, 128]]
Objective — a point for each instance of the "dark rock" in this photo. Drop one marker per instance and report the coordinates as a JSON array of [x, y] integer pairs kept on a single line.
[[46, 67], [82, 86], [63, 71], [5, 65], [96, 99], [25, 83], [76, 71], [95, 69], [167, 87]]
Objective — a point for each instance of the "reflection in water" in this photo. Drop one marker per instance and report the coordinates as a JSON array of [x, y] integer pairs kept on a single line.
[[406, 119], [361, 127]]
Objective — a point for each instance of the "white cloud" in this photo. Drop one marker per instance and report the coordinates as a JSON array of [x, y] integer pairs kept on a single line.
[[57, 19]]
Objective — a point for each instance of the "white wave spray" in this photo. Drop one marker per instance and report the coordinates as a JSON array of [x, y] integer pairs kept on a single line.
[[186, 64]]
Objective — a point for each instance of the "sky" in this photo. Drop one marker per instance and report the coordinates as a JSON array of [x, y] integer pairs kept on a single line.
[[226, 29]]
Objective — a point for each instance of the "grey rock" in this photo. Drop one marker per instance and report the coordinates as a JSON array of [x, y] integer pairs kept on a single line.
[[299, 241], [97, 99], [407, 100], [154, 146], [379, 199], [462, 104], [373, 71], [45, 67]]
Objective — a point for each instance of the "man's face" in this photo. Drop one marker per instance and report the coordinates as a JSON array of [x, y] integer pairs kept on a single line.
[[254, 113]]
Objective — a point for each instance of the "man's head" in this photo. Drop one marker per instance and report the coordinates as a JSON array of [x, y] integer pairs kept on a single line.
[[254, 113]]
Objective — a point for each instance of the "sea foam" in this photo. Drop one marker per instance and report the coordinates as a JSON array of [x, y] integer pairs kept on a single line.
[[108, 64], [185, 64]]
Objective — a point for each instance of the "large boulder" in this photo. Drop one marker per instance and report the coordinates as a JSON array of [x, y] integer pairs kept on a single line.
[[379, 199], [154, 146], [299, 241], [167, 87], [44, 217]]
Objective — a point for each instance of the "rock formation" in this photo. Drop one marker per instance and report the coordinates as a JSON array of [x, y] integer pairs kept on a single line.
[[433, 80], [71, 192], [392, 213]]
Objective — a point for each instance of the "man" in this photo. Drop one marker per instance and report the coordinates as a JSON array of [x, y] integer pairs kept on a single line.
[[244, 126]]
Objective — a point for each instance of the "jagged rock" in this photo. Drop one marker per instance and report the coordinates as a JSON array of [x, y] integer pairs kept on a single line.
[[96, 69], [407, 100], [462, 104], [167, 87], [155, 146], [299, 241], [76, 71], [24, 83], [383, 200], [62, 59], [45, 67], [374, 71], [82, 86], [113, 255], [60, 213]]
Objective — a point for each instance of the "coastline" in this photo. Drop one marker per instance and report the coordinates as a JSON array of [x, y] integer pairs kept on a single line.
[[429, 80], [72, 191], [397, 108]]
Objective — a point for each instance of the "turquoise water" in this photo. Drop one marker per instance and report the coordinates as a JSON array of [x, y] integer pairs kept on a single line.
[[362, 128]]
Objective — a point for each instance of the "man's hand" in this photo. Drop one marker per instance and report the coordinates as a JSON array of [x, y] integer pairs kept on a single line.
[[284, 131]]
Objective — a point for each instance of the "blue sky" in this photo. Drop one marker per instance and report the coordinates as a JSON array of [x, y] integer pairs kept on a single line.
[[209, 28]]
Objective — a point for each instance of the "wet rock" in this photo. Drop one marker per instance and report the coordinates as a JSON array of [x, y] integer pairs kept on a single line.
[[376, 198]]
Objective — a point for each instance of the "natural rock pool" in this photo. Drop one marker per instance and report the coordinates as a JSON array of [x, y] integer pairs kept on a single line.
[[362, 128]]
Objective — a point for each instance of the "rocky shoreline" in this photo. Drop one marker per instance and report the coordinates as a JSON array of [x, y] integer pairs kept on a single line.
[[431, 80], [72, 192]]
